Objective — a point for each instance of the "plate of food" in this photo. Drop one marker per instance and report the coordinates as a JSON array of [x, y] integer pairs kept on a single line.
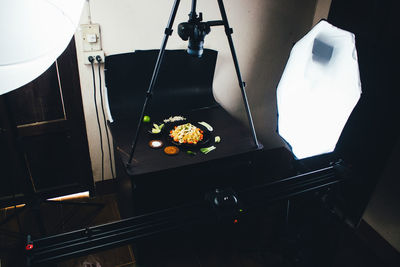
[[187, 134]]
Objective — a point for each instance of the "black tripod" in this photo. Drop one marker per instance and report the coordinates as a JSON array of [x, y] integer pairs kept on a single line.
[[202, 28]]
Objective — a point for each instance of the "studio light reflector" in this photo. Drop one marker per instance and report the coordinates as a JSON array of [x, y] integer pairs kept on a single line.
[[33, 34], [318, 90]]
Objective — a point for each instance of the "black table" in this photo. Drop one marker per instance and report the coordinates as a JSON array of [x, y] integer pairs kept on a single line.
[[160, 180], [155, 181], [184, 87]]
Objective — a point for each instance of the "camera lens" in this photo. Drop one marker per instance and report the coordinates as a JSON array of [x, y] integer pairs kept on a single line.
[[195, 48]]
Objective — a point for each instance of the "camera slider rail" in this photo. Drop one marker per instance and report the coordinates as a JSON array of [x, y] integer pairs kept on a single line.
[[220, 206]]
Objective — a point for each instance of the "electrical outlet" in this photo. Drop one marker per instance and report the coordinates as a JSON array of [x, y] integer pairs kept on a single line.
[[94, 54]]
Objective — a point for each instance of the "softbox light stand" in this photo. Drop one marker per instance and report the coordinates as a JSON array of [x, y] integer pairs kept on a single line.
[[167, 33]]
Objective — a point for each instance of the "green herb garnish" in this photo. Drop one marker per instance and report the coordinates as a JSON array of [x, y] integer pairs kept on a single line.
[[206, 150]]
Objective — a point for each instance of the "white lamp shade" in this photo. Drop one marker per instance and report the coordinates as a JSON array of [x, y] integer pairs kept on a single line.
[[319, 88], [33, 34]]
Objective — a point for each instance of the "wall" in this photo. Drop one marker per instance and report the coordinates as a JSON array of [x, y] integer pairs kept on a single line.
[[264, 32], [382, 212], [321, 10]]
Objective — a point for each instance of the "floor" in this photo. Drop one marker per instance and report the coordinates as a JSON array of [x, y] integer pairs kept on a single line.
[[74, 217], [312, 238]]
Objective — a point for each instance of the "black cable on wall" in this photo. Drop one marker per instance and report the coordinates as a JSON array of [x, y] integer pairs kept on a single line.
[[98, 58], [91, 60]]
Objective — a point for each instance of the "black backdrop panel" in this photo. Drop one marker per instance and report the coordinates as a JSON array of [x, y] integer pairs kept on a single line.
[[184, 82], [184, 87]]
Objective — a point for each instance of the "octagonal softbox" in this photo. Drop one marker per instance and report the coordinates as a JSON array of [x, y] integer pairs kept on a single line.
[[318, 90]]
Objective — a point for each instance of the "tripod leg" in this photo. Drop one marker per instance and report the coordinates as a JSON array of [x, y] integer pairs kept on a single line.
[[167, 33], [229, 32], [287, 215], [39, 218]]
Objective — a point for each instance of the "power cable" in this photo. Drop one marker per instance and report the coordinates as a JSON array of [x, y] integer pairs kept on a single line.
[[98, 58], [91, 60]]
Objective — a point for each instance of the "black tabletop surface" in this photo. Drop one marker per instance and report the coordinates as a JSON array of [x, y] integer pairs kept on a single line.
[[235, 139]]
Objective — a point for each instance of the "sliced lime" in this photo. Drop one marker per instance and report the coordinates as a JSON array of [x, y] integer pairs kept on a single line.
[[155, 131]]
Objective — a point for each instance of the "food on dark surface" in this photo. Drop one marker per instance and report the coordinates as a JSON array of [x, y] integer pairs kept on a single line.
[[217, 139], [156, 143], [186, 134], [174, 118], [205, 124], [146, 118], [206, 150], [171, 150], [157, 128]]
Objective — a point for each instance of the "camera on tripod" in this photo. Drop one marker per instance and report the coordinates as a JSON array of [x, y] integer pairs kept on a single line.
[[194, 30]]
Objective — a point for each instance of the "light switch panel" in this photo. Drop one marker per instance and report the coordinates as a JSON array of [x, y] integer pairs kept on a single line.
[[90, 37]]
